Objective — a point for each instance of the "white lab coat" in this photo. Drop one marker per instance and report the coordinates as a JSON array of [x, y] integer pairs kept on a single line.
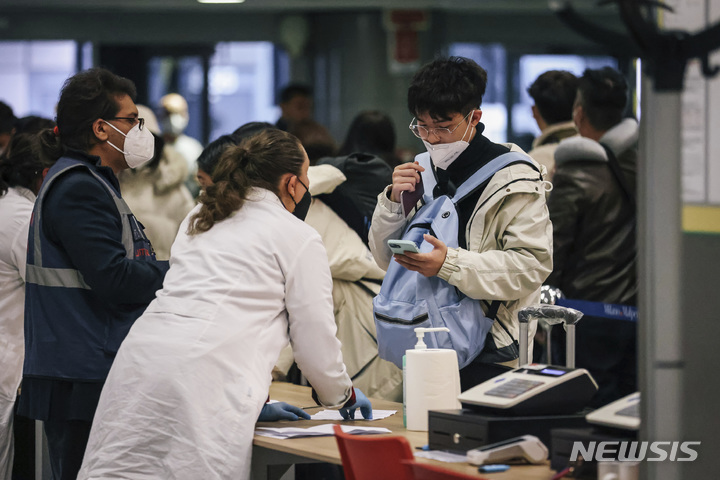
[[189, 381], [15, 211]]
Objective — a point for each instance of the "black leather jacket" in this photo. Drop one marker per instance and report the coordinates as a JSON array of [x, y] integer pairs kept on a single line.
[[594, 224]]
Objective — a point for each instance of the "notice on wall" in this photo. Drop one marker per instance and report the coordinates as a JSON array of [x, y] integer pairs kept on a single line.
[[700, 121], [713, 121], [403, 40], [694, 136]]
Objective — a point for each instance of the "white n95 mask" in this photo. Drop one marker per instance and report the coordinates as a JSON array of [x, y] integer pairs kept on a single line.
[[174, 124], [139, 146], [444, 154]]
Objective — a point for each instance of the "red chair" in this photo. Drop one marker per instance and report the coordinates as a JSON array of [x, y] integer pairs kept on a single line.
[[369, 457], [424, 471]]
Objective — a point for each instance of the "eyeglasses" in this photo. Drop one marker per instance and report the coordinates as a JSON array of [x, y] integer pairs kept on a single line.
[[131, 120], [424, 132]]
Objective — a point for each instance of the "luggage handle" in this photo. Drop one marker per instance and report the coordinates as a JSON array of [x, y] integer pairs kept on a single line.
[[552, 314]]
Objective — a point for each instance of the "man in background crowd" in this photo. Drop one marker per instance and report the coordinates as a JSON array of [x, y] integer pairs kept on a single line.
[[7, 125], [174, 118], [592, 209], [296, 104], [553, 93]]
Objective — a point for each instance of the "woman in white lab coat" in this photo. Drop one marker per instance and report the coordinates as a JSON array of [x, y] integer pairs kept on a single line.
[[246, 277], [21, 173]]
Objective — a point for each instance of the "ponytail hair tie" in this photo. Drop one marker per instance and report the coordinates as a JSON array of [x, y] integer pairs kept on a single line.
[[244, 159], [56, 131]]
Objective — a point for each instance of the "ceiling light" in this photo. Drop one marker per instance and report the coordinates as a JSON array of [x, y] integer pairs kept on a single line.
[[221, 1]]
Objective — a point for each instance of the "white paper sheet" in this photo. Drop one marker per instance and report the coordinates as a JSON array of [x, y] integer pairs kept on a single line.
[[335, 415], [442, 456], [318, 431]]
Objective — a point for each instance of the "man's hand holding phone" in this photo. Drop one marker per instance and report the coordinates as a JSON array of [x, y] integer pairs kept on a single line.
[[400, 247], [427, 264]]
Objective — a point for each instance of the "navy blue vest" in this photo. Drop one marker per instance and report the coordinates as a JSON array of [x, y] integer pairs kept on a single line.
[[70, 333]]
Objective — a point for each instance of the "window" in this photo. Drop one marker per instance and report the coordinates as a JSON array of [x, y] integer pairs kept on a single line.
[[506, 106], [32, 74], [183, 75], [241, 86], [493, 58], [530, 67]]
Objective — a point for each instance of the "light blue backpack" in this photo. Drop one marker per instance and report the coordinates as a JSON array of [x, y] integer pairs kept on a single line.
[[408, 299]]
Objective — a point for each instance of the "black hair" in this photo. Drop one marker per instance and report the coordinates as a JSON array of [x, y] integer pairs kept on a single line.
[[85, 97], [7, 118], [259, 161], [447, 86], [554, 94], [33, 124], [315, 138], [294, 90], [154, 162], [22, 163], [603, 95], [210, 156], [249, 129], [371, 131]]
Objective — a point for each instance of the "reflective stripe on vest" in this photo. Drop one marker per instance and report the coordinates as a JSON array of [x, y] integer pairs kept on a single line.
[[55, 277], [68, 277]]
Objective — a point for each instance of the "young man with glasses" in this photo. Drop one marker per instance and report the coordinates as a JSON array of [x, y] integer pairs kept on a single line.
[[505, 236]]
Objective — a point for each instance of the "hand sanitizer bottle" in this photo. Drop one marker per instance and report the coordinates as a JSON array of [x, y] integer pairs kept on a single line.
[[431, 381]]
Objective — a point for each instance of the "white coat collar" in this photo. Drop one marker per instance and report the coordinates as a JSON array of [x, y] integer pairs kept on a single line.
[[622, 136], [324, 179], [257, 194], [25, 192], [618, 139]]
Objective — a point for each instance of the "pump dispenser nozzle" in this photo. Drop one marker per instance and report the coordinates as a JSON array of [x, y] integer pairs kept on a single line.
[[420, 332]]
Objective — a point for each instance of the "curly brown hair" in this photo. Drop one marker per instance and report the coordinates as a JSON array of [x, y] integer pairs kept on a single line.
[[259, 161]]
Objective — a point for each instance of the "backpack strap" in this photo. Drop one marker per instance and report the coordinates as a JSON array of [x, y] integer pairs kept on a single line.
[[477, 179], [493, 311], [428, 176], [618, 174], [488, 170]]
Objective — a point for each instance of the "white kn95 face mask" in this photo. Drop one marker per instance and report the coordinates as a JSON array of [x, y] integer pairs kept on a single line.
[[139, 145], [444, 154]]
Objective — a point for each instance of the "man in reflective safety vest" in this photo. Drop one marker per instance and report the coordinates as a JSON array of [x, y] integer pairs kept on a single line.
[[91, 270]]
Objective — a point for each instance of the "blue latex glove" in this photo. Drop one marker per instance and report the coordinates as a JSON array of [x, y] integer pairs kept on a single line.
[[272, 412], [362, 403]]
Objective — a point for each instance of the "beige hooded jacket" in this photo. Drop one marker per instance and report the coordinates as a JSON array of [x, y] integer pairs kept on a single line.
[[509, 252]]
